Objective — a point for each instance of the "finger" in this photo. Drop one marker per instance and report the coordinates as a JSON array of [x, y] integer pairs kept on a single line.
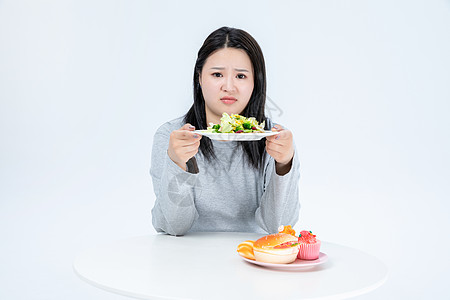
[[283, 142], [183, 148], [277, 139], [187, 126], [277, 127], [187, 143], [274, 137], [283, 136], [192, 151], [275, 155], [272, 147], [187, 135]]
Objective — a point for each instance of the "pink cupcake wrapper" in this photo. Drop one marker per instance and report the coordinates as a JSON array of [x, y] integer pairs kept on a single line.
[[309, 251]]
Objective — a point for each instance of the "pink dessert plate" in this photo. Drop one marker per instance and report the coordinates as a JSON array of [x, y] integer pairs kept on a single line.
[[298, 264]]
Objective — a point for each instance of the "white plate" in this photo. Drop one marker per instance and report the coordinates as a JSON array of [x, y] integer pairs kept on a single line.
[[298, 264], [253, 136]]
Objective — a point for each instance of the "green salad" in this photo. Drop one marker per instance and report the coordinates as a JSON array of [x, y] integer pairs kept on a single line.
[[236, 124]]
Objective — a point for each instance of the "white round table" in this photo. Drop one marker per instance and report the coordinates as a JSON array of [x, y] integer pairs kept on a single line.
[[207, 266]]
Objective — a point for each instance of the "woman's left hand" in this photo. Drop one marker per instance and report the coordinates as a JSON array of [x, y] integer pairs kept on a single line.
[[281, 148]]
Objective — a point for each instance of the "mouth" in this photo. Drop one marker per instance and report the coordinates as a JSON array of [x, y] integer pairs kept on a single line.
[[228, 100]]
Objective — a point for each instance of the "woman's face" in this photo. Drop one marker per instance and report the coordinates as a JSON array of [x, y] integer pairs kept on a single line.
[[227, 83]]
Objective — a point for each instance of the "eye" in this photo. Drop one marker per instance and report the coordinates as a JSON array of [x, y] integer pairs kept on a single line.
[[241, 76], [216, 74]]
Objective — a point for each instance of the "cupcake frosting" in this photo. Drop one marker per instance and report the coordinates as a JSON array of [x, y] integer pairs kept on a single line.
[[306, 237]]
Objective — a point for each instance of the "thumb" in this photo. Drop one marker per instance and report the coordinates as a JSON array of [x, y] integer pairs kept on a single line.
[[188, 127], [277, 127]]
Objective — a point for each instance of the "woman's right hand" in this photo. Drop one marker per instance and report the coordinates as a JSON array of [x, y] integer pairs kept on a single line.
[[183, 145]]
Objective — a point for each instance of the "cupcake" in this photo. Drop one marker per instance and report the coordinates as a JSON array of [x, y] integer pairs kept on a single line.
[[309, 246]]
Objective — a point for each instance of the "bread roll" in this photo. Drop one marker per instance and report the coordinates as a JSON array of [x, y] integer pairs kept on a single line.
[[279, 248]]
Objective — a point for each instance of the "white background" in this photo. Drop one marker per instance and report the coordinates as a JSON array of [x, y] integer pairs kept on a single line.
[[364, 86]]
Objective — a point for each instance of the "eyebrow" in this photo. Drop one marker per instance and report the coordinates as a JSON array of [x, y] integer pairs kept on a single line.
[[222, 68]]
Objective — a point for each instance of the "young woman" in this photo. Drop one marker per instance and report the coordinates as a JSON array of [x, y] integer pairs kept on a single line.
[[207, 185]]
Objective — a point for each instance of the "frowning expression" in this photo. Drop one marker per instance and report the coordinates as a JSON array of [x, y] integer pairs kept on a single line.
[[227, 83]]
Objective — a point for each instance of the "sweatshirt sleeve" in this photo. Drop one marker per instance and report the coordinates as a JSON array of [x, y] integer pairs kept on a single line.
[[174, 211], [279, 204]]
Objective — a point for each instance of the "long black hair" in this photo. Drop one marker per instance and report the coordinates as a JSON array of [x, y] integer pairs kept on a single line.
[[227, 37]]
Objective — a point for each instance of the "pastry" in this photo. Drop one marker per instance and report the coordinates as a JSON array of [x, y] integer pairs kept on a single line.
[[278, 248], [309, 246]]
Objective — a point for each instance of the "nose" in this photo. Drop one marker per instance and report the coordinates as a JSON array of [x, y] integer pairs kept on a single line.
[[228, 84]]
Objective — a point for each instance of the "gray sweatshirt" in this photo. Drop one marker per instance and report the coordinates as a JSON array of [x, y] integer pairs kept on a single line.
[[227, 195]]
